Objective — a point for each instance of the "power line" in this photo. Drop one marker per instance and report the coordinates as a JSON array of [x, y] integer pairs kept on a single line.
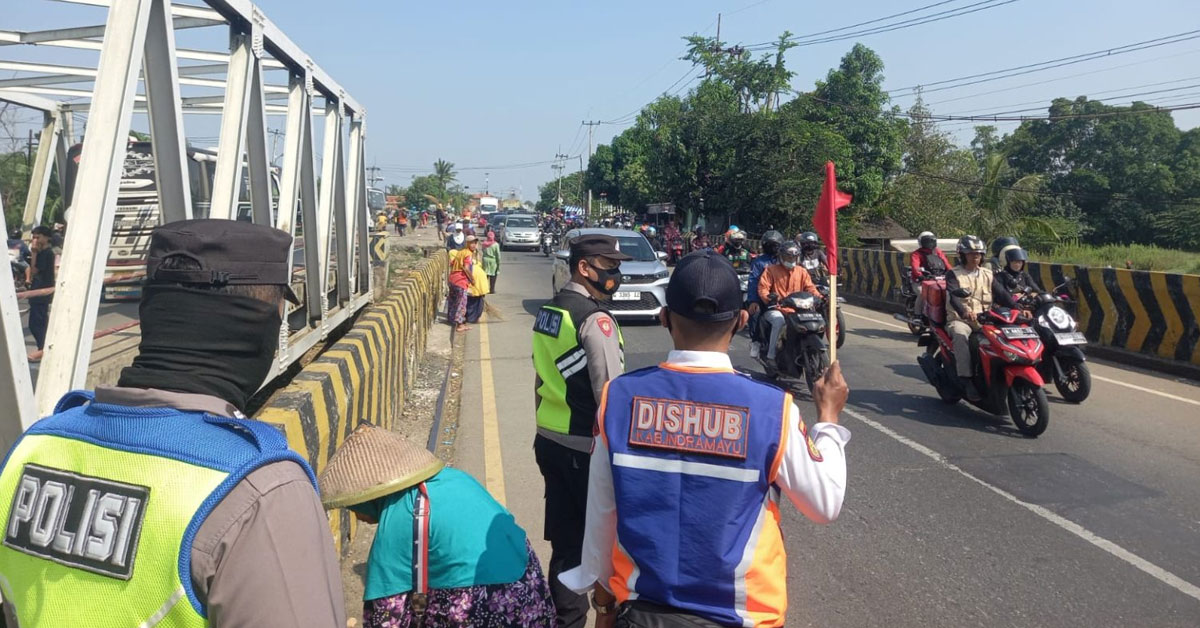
[[1104, 197], [904, 24], [1091, 97], [983, 77]]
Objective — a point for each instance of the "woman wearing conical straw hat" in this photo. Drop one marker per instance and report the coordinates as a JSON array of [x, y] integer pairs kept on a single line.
[[445, 552]]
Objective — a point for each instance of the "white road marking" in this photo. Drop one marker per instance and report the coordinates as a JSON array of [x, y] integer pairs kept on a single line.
[[1106, 380], [1156, 572]]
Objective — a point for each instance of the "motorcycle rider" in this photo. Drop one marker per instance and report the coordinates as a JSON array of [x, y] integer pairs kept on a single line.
[[999, 245], [812, 256], [1014, 281], [735, 249], [927, 257], [778, 282], [771, 241], [699, 239], [963, 312]]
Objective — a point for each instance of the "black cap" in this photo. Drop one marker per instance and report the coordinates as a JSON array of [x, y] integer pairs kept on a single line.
[[705, 288], [597, 245], [230, 252]]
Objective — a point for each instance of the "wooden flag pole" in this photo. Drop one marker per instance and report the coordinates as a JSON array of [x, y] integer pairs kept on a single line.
[[832, 326]]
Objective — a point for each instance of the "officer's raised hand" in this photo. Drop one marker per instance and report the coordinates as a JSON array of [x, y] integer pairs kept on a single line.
[[830, 393]]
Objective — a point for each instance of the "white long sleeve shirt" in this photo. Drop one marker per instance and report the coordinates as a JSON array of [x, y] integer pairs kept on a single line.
[[815, 487]]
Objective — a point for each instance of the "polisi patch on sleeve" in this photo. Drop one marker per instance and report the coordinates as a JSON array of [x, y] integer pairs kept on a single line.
[[77, 520], [702, 428], [548, 322]]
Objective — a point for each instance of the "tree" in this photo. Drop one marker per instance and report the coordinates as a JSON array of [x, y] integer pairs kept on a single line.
[[548, 192], [929, 193], [1005, 209], [443, 173]]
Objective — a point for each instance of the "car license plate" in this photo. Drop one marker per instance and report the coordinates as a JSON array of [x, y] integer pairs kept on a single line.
[[627, 296], [1020, 333], [1071, 338]]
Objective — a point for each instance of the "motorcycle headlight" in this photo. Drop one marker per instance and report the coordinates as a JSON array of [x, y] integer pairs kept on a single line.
[[1059, 318], [803, 303]]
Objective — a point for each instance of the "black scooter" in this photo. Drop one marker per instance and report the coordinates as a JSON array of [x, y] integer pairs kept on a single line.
[[802, 349], [1064, 360]]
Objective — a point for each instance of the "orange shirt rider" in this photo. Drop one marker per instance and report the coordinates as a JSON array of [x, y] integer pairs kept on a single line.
[[781, 281]]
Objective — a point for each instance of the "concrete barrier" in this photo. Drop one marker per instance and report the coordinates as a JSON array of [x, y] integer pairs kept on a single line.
[[1140, 314], [363, 377]]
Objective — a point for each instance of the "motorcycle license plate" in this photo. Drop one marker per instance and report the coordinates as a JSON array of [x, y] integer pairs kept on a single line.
[[1020, 333], [626, 296], [808, 316], [1071, 338]]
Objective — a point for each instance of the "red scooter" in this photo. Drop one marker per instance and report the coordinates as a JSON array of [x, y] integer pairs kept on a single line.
[[674, 250], [1007, 352]]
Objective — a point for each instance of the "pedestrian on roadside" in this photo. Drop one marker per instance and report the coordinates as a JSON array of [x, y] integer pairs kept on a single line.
[[456, 239], [439, 217], [577, 348], [491, 260], [478, 289], [401, 221], [39, 275], [462, 262], [479, 567], [683, 523], [183, 509]]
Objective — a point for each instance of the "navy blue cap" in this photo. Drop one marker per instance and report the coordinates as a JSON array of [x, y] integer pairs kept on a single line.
[[705, 288]]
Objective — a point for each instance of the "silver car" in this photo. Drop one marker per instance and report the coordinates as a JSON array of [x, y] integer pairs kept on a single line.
[[520, 231], [643, 290]]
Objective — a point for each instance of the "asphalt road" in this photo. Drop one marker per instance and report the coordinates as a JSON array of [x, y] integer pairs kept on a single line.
[[951, 517]]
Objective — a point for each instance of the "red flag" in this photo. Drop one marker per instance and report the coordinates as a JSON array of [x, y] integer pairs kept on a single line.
[[825, 219]]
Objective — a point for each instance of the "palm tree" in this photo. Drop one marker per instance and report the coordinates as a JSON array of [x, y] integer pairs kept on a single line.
[[444, 172], [1002, 209]]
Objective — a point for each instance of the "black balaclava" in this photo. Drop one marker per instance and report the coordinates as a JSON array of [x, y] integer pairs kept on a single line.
[[203, 342]]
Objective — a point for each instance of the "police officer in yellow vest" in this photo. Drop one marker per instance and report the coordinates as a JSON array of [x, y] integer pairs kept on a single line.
[[577, 348], [683, 519], [976, 279], [157, 502]]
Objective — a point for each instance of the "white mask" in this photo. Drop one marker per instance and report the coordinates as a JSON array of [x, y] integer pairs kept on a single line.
[[789, 265]]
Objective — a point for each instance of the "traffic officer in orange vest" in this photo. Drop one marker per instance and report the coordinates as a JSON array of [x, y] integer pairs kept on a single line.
[[682, 515]]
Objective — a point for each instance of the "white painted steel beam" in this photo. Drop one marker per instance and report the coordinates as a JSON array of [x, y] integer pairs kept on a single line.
[[356, 205], [14, 37], [166, 118], [16, 386], [257, 158], [73, 317], [39, 180], [89, 32], [333, 195], [20, 97], [227, 182]]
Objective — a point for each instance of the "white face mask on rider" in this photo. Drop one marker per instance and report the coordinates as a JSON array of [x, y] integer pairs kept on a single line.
[[789, 265]]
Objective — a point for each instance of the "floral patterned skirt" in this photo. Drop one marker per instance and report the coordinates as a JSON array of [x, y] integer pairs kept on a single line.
[[525, 602]]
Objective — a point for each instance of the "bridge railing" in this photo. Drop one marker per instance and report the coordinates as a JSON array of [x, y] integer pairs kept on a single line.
[[138, 44]]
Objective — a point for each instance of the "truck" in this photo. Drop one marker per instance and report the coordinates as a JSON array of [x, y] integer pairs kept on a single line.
[[488, 205]]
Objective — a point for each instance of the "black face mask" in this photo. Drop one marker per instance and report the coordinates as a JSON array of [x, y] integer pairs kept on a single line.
[[198, 341], [609, 279]]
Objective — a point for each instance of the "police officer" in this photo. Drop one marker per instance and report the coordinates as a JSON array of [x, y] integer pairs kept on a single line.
[[682, 513], [577, 348], [157, 499]]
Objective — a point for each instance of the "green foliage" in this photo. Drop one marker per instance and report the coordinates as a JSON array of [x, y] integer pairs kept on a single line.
[[14, 188], [922, 197], [1135, 256], [548, 193]]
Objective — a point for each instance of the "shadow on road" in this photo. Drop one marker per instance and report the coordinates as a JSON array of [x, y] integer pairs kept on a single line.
[[911, 371], [531, 306], [930, 410], [884, 334]]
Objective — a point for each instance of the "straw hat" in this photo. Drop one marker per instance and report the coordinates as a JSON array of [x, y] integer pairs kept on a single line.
[[374, 462]]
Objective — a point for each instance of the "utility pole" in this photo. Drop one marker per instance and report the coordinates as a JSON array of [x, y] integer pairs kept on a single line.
[[486, 183], [581, 177], [275, 135], [591, 126], [373, 178], [559, 166]]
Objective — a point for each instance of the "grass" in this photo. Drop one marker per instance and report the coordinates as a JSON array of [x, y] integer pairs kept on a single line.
[[1135, 256]]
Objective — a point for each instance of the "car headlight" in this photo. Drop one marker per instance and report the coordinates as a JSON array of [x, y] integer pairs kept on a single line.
[[662, 274], [1059, 318]]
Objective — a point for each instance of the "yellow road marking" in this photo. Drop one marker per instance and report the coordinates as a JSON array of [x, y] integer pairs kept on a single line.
[[493, 465]]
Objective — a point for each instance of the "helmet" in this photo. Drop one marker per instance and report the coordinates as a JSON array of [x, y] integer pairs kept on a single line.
[[1015, 254], [808, 240], [1000, 243], [651, 231], [699, 230], [927, 240], [737, 236], [771, 241], [733, 229], [970, 244], [791, 249]]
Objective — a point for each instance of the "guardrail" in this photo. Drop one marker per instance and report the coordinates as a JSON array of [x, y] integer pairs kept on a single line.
[[363, 377], [1143, 313]]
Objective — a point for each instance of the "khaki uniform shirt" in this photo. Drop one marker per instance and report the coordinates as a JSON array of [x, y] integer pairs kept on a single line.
[[979, 284], [264, 556]]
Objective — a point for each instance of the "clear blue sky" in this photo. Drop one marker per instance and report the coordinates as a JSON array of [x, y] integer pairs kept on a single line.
[[492, 83]]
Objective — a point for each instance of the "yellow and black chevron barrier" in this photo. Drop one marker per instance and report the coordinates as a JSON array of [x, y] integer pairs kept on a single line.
[[1149, 313], [379, 246], [363, 377]]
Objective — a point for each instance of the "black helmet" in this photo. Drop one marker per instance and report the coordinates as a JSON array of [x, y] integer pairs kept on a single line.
[[1015, 254], [1000, 243], [970, 244], [791, 249], [698, 230], [808, 240], [927, 240], [771, 241]]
